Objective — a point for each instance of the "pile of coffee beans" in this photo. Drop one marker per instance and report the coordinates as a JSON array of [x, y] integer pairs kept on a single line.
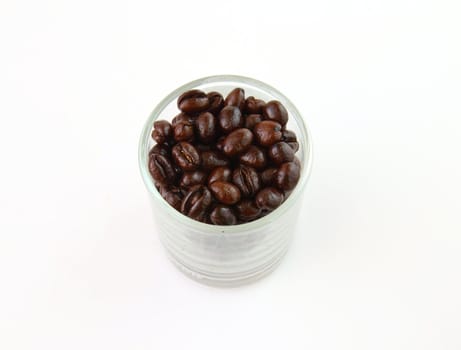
[[224, 161]]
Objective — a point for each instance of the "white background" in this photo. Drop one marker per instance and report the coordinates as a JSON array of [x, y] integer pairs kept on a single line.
[[377, 263]]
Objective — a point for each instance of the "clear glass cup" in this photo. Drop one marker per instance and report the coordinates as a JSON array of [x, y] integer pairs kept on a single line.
[[226, 255]]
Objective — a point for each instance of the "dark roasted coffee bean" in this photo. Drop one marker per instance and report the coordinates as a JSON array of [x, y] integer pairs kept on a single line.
[[230, 118], [281, 152], [216, 102], [172, 195], [287, 176], [268, 132], [213, 159], [186, 156], [254, 105], [269, 198], [192, 178], [182, 117], [288, 136], [268, 176], [161, 169], [220, 173], [294, 146], [205, 125], [238, 141], [162, 131], [220, 143], [247, 180], [196, 202], [274, 110], [223, 215], [252, 119], [255, 157], [183, 131], [225, 192], [160, 148], [193, 101], [236, 98], [247, 210]]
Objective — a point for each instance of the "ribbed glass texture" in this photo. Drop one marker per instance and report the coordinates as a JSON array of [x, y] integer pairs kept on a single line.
[[226, 255]]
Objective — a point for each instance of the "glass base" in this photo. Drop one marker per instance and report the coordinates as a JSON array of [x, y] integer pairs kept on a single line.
[[228, 280]]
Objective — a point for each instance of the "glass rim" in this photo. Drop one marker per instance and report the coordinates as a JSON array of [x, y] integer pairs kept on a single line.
[[304, 139]]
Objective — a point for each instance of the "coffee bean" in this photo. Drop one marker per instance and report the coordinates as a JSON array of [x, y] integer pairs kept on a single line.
[[223, 215], [172, 195], [182, 117], [238, 141], [216, 102], [268, 176], [220, 173], [294, 146], [160, 148], [196, 202], [230, 118], [192, 178], [205, 125], [161, 169], [220, 143], [287, 176], [213, 159], [236, 98], [225, 192], [183, 131], [193, 101], [254, 105], [247, 210], [281, 152], [274, 110], [254, 157], [288, 136], [297, 162], [269, 198], [252, 119], [186, 156], [162, 131], [268, 132], [247, 180]]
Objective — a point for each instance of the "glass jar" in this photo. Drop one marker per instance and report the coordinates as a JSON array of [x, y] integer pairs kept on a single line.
[[226, 255]]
